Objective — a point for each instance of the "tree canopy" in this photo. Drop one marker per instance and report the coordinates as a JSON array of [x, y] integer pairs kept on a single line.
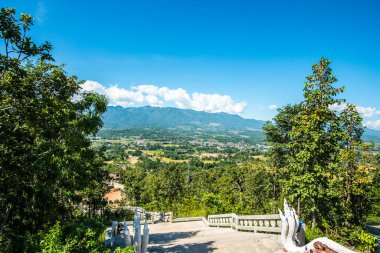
[[318, 152], [46, 164]]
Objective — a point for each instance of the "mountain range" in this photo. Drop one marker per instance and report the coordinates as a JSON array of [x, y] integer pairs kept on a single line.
[[168, 117]]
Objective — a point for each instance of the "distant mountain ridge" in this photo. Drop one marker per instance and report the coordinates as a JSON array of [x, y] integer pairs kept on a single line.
[[169, 117], [371, 135]]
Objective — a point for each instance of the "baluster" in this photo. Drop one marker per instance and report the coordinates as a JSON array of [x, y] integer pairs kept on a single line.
[[127, 236], [145, 238]]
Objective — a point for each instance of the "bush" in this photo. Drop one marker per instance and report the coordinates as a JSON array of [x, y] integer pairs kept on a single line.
[[124, 250], [77, 237], [362, 240], [313, 233], [52, 241]]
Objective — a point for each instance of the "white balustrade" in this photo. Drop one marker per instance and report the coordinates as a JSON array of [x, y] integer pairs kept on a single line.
[[263, 223]]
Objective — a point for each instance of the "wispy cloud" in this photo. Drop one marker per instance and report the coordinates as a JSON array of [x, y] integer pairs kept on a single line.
[[366, 112], [373, 124], [272, 107], [40, 12], [163, 96]]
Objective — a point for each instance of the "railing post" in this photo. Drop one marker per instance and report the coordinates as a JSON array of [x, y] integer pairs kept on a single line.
[[145, 238], [113, 234], [127, 237], [171, 217], [137, 233], [152, 217]]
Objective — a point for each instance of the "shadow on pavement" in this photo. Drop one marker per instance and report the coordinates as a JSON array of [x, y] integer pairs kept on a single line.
[[166, 243], [168, 237], [189, 247]]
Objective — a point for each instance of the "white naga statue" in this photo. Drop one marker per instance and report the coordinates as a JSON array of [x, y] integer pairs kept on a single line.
[[290, 222]]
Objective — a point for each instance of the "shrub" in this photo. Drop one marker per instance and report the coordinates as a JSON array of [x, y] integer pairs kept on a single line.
[[362, 240], [52, 241], [77, 237], [124, 250], [313, 233]]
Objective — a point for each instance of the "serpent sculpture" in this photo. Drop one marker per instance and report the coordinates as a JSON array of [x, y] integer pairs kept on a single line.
[[289, 222]]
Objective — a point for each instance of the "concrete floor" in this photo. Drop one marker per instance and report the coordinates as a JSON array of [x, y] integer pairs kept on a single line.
[[198, 238]]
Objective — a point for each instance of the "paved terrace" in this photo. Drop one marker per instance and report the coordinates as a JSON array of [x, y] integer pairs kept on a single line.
[[196, 237]]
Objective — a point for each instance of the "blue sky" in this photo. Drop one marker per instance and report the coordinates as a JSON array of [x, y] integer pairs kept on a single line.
[[245, 57]]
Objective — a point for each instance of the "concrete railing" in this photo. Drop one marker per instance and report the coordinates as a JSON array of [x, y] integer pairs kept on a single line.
[[257, 223], [118, 234], [152, 216]]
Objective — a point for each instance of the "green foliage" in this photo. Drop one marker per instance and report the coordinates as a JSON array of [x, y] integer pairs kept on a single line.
[[320, 160], [124, 250], [52, 241], [80, 236], [362, 240], [231, 186], [47, 164], [213, 204], [313, 233]]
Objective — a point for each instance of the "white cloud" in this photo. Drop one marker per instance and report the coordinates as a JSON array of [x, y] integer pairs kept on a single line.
[[215, 103], [122, 95], [161, 96], [373, 124], [153, 100], [338, 108], [366, 112], [272, 107], [93, 86]]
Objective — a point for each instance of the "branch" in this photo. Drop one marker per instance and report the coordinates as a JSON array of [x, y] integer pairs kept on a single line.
[[22, 44]]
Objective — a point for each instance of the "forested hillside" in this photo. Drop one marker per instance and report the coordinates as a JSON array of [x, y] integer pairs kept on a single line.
[[157, 117]]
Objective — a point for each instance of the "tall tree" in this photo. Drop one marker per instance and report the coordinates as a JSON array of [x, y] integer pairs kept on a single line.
[[315, 137], [318, 151], [45, 155]]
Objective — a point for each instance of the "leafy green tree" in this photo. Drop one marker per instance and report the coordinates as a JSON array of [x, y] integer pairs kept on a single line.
[[356, 179], [314, 144], [278, 134], [46, 162], [318, 153]]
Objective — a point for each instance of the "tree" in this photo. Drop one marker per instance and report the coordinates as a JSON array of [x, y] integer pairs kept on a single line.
[[318, 153], [314, 143], [278, 134], [46, 162]]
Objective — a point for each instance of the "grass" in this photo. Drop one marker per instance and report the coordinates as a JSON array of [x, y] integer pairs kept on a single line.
[[113, 141], [209, 161], [154, 153], [260, 157], [169, 160]]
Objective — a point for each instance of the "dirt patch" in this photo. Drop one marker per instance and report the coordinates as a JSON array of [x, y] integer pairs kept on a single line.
[[133, 159]]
